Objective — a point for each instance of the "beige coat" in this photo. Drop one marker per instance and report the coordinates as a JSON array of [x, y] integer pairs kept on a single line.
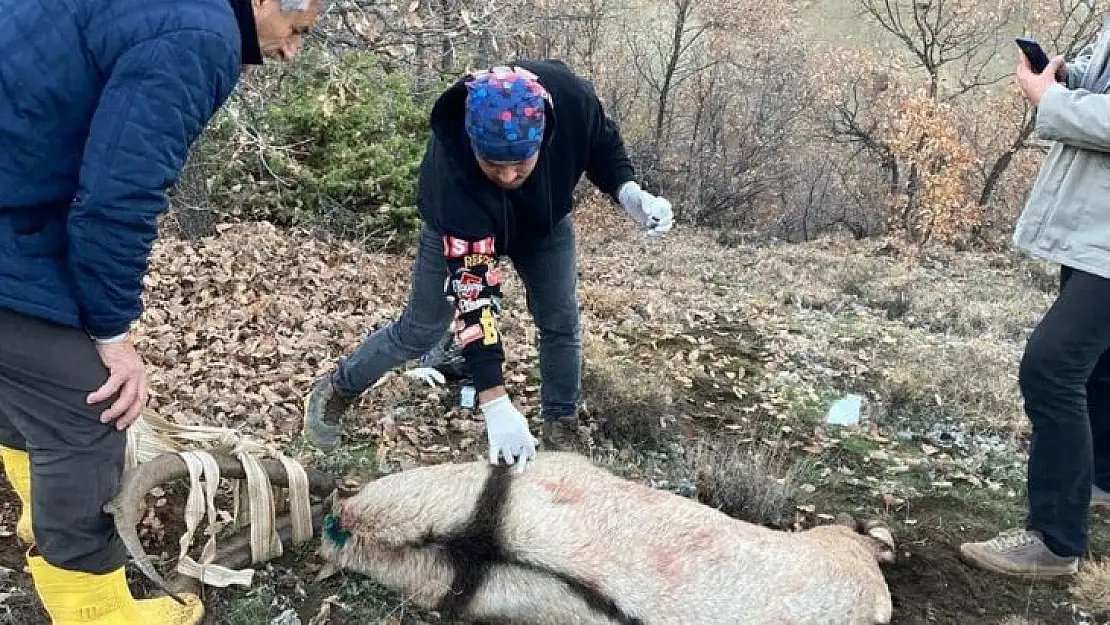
[[1067, 216]]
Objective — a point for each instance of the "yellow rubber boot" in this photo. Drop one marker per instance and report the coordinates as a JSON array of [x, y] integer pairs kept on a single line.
[[17, 466], [73, 598]]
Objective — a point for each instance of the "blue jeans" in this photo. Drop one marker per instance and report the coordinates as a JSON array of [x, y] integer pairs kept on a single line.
[[550, 275]]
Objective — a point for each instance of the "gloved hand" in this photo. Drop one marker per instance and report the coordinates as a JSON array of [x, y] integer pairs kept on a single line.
[[508, 434], [429, 375], [646, 209]]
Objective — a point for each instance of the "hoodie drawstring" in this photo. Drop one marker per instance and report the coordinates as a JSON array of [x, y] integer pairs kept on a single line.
[[505, 218], [547, 192]]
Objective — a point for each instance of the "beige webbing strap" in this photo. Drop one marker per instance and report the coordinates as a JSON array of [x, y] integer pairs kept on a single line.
[[131, 451], [265, 542], [151, 435], [206, 571], [300, 506]]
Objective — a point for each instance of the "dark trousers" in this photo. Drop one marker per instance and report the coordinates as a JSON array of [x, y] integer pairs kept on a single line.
[[46, 372], [1065, 384], [550, 275]]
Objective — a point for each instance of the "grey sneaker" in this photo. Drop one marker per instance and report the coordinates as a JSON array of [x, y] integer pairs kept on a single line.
[[323, 414], [561, 433], [1018, 553], [1099, 497]]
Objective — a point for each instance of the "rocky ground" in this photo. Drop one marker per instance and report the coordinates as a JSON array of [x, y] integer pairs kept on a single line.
[[711, 365]]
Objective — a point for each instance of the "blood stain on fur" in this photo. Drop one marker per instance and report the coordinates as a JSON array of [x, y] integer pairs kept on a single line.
[[561, 492]]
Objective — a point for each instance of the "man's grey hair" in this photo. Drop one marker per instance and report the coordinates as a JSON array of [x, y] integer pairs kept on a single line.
[[288, 6], [322, 6]]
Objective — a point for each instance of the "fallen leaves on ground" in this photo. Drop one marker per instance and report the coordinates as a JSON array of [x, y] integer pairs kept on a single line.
[[745, 341]]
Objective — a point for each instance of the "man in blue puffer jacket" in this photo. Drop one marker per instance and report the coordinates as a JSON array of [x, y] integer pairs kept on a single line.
[[100, 101]]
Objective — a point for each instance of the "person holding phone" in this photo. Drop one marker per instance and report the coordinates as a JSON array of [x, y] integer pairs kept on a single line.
[[1064, 374]]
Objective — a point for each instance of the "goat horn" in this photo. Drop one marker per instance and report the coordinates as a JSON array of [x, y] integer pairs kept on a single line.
[[879, 531], [138, 481], [236, 553]]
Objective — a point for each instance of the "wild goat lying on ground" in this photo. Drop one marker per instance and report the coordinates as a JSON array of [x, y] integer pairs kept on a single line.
[[565, 542], [568, 542]]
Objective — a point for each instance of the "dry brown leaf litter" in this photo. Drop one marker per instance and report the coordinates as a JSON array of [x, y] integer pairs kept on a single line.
[[238, 325]]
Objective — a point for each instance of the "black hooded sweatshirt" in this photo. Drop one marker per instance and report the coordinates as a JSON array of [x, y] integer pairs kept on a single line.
[[480, 222]]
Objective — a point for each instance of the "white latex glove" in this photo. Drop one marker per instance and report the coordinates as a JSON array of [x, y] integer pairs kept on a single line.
[[429, 375], [508, 434], [646, 209]]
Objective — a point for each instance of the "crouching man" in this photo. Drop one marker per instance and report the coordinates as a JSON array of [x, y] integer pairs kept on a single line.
[[1065, 372], [496, 181], [101, 100]]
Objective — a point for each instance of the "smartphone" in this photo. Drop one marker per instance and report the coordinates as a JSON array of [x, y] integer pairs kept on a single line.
[[1032, 51]]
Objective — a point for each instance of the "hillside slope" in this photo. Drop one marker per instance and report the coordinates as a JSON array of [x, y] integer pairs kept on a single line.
[[709, 370]]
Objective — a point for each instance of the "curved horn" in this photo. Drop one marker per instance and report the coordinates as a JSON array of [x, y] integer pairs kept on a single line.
[[236, 553], [138, 481], [885, 549]]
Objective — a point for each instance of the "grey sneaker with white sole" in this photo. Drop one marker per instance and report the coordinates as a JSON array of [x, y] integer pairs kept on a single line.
[[1018, 553], [1099, 498]]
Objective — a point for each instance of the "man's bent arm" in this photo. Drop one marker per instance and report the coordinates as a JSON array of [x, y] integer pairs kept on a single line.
[[1075, 70], [474, 286], [609, 166], [1076, 117], [159, 97]]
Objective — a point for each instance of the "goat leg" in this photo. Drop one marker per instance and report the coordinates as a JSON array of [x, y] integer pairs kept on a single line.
[[138, 481]]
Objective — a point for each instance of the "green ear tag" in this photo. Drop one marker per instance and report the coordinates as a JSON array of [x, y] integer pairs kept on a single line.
[[334, 531]]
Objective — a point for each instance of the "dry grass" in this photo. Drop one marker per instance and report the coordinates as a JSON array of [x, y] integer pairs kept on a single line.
[[939, 338], [966, 295], [1021, 620], [972, 381], [623, 404], [749, 479], [1092, 586], [604, 302]]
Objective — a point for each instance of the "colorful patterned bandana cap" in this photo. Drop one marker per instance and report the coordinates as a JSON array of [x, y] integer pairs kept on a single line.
[[505, 114]]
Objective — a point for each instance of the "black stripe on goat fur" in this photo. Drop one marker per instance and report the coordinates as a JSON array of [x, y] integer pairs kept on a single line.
[[475, 548]]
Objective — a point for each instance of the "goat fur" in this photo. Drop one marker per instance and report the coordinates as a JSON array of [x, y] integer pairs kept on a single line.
[[547, 545]]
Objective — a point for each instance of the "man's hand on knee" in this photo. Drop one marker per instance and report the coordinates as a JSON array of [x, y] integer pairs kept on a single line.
[[126, 381]]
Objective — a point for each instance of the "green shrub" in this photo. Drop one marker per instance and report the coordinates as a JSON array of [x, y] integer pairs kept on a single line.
[[335, 143]]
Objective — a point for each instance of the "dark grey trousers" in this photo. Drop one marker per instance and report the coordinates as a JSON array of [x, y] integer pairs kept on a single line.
[[549, 272], [46, 372]]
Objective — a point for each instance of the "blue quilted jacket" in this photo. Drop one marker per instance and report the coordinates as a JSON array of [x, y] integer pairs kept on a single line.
[[100, 101]]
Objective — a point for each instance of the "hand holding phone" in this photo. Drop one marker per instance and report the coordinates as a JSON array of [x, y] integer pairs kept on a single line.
[[1032, 50], [1030, 77]]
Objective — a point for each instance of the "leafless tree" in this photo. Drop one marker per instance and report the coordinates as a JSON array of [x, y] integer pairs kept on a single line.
[[945, 35], [1077, 22]]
